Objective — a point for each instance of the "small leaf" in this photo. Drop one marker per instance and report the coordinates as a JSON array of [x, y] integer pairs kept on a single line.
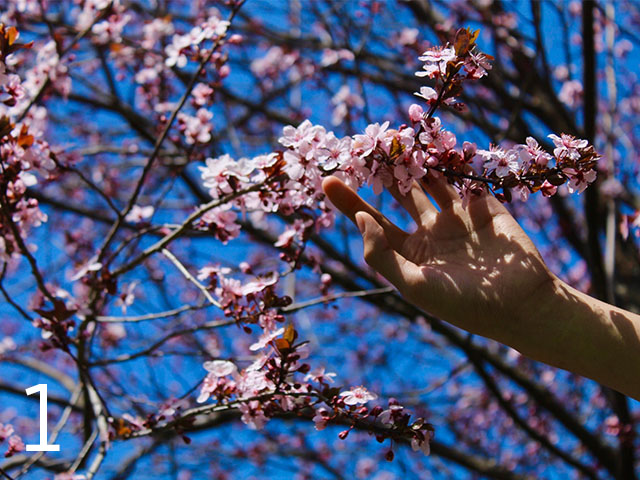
[[5, 126], [25, 140], [122, 428], [282, 345], [290, 334], [465, 41], [11, 35], [396, 148]]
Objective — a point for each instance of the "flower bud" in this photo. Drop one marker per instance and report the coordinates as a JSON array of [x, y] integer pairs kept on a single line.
[[415, 113]]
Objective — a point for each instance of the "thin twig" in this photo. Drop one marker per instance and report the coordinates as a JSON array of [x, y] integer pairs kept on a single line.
[[103, 430], [167, 239], [86, 448], [9, 299], [25, 251], [330, 298], [188, 276], [56, 431], [151, 316], [149, 350]]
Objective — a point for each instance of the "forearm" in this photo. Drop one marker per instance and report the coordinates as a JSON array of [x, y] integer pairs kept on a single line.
[[576, 332]]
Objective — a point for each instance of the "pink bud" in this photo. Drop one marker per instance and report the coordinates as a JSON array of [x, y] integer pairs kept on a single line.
[[469, 149], [377, 410], [548, 190], [415, 113], [224, 71]]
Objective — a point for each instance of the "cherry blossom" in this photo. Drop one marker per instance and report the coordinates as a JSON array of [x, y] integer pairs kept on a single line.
[[127, 297], [5, 432], [571, 93], [320, 375], [435, 61], [253, 415], [501, 161], [321, 419], [357, 396], [266, 338], [16, 445], [90, 266], [220, 368], [197, 129], [579, 181], [568, 146], [139, 214]]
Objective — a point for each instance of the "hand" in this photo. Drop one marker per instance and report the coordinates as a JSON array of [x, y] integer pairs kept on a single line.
[[473, 267]]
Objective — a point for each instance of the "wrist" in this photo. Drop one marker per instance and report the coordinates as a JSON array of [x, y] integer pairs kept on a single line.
[[537, 309]]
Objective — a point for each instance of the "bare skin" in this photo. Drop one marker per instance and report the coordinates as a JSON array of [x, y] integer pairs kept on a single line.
[[477, 269]]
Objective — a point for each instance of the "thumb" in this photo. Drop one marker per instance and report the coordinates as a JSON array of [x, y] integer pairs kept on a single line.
[[381, 257]]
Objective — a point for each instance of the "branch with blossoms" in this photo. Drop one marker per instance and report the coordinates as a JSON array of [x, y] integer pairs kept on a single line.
[[22, 153], [271, 387], [384, 157]]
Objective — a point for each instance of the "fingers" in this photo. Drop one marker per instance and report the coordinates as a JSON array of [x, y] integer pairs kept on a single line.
[[381, 256], [350, 203], [416, 203], [440, 190]]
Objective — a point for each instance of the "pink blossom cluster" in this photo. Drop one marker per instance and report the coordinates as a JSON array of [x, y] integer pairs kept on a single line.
[[196, 129], [394, 422], [14, 442], [292, 186], [273, 384], [254, 302], [110, 29], [48, 70], [23, 152], [344, 102], [270, 385], [189, 45], [439, 62], [278, 60], [90, 9], [266, 386], [385, 157]]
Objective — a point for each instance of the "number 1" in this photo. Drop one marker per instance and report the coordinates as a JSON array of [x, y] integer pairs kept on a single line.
[[43, 446]]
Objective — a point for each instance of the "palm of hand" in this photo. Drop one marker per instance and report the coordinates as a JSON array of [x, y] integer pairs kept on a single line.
[[478, 260], [467, 266]]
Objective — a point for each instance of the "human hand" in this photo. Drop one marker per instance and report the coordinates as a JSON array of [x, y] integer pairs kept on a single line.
[[473, 267]]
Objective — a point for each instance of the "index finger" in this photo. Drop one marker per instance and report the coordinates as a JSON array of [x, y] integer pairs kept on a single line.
[[350, 203]]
